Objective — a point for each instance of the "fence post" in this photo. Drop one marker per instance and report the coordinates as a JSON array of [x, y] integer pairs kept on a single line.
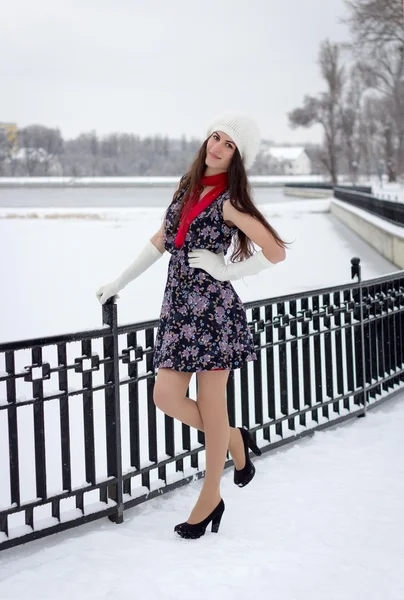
[[113, 408], [357, 271]]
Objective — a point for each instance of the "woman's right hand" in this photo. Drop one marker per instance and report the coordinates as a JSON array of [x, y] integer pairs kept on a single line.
[[107, 291]]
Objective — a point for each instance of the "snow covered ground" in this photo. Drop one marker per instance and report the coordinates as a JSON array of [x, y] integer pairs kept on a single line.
[[54, 260], [322, 520]]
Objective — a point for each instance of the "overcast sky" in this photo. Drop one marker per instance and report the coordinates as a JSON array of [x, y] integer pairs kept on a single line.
[[162, 66]]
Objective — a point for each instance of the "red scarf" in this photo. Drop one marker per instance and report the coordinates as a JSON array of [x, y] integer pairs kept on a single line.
[[193, 208]]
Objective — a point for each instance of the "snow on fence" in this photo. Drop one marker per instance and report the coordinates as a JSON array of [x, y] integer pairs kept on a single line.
[[389, 209], [81, 438]]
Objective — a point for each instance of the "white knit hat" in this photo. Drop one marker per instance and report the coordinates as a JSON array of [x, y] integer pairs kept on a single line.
[[243, 131]]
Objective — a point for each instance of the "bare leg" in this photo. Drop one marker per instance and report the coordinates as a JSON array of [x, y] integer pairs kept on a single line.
[[213, 409], [169, 395]]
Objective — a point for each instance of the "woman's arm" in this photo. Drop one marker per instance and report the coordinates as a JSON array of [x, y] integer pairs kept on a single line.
[[158, 238], [255, 231], [152, 251], [214, 263]]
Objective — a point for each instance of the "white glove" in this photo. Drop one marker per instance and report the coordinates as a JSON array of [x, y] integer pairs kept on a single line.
[[149, 255], [215, 265]]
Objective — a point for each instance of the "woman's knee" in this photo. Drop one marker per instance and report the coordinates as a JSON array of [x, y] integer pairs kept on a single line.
[[168, 389], [162, 398]]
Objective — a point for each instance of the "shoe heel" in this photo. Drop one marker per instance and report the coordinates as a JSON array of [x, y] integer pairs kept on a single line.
[[216, 523], [253, 446]]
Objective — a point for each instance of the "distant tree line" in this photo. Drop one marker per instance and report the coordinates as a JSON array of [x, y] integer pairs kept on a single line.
[[361, 110], [42, 151]]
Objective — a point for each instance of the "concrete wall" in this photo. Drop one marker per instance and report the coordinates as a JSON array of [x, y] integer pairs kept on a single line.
[[307, 192], [385, 237]]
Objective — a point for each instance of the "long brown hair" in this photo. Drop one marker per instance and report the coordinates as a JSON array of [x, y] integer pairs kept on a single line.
[[240, 198]]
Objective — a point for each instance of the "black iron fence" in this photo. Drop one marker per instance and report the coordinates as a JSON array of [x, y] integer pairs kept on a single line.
[[387, 209], [329, 186], [81, 438], [362, 196]]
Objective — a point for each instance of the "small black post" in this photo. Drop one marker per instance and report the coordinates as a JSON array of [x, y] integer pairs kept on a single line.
[[113, 408], [356, 272]]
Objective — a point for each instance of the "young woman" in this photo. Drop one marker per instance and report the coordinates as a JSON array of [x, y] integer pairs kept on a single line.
[[203, 327]]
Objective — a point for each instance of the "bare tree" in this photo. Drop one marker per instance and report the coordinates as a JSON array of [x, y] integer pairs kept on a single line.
[[375, 22], [378, 30], [325, 108], [351, 119], [385, 73], [370, 138], [377, 135]]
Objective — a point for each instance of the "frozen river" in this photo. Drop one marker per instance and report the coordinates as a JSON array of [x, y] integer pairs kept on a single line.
[[107, 197]]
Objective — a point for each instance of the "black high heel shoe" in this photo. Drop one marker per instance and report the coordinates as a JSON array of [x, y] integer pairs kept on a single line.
[[244, 475], [197, 530]]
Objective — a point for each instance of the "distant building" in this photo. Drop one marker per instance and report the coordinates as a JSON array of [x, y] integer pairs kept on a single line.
[[287, 160]]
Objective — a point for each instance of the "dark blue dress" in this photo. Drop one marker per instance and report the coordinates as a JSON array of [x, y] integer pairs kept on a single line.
[[203, 323]]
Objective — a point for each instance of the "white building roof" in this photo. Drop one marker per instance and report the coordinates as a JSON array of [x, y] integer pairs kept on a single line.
[[285, 152]]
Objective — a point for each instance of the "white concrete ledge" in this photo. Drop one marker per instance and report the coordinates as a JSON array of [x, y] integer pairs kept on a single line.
[[385, 237], [307, 192]]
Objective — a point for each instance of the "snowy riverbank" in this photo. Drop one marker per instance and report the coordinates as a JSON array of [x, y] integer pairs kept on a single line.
[[55, 262], [257, 181]]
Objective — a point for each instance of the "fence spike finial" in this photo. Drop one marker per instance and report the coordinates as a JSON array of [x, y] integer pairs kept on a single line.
[[356, 267]]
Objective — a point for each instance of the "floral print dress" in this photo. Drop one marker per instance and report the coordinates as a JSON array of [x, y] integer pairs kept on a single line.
[[203, 324]]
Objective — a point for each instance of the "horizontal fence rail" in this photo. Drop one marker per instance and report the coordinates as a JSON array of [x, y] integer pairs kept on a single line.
[[81, 437], [329, 186], [387, 209]]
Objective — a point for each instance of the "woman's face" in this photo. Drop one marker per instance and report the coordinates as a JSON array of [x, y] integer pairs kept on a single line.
[[219, 151]]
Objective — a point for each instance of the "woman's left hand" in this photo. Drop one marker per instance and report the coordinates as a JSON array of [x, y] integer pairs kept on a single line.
[[212, 263]]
